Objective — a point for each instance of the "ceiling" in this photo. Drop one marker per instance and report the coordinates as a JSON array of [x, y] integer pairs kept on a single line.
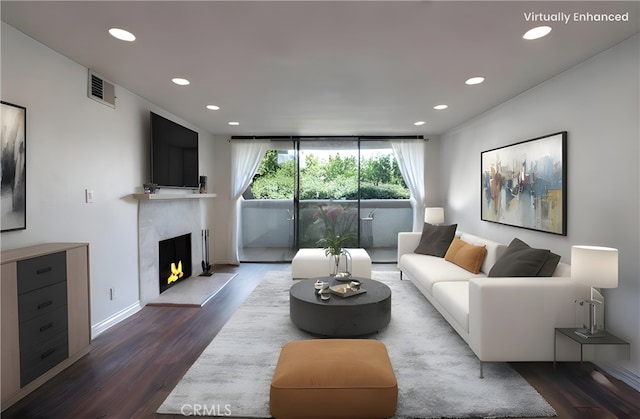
[[321, 68]]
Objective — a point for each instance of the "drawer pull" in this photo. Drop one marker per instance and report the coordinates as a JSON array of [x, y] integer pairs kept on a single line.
[[47, 353], [45, 304], [46, 326], [44, 270]]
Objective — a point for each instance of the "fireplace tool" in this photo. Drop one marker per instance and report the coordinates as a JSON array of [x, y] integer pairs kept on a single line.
[[206, 266]]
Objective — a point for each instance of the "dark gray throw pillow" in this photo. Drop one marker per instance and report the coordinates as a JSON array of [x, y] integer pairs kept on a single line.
[[521, 260], [435, 240], [550, 265]]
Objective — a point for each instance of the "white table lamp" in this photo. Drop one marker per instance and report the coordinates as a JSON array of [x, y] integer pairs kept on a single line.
[[434, 215], [597, 267]]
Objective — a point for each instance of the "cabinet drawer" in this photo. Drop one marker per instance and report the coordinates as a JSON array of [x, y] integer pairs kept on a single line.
[[36, 363], [43, 329], [41, 271], [42, 301]]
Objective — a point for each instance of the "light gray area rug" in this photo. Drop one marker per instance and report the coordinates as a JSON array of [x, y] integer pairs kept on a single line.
[[194, 291], [438, 375]]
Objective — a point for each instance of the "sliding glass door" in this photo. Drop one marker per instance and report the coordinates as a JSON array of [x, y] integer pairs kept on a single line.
[[267, 210], [385, 208], [305, 186], [328, 191]]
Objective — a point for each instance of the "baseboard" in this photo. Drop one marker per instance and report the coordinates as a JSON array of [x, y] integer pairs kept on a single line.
[[224, 262], [100, 327], [621, 374]]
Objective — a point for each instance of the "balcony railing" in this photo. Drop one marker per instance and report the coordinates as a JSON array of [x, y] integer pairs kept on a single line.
[[268, 227]]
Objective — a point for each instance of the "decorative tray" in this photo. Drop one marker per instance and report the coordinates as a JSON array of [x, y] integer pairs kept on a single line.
[[344, 290], [343, 278]]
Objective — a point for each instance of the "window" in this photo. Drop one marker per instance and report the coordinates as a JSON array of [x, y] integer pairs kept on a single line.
[[359, 179]]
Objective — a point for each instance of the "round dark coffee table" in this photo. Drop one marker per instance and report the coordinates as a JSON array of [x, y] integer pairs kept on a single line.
[[355, 315]]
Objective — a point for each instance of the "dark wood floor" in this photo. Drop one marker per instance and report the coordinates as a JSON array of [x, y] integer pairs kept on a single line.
[[133, 366]]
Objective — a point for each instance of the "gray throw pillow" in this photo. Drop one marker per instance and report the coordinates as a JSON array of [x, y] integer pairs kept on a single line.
[[521, 260], [550, 265], [435, 240]]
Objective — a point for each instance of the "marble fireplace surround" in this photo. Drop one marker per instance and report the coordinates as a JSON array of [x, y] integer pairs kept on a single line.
[[160, 220]]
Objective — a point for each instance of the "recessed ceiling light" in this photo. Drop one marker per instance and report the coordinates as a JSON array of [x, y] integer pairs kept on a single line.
[[418, 123], [213, 107], [180, 81], [234, 123], [537, 32], [122, 34], [440, 107], [474, 80]]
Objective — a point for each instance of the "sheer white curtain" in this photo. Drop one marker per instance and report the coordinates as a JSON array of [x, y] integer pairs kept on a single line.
[[245, 160], [410, 157]]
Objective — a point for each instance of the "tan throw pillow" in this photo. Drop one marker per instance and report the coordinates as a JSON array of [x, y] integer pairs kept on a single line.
[[456, 245], [466, 255]]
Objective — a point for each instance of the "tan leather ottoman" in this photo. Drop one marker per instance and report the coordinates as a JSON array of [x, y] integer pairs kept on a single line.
[[333, 378]]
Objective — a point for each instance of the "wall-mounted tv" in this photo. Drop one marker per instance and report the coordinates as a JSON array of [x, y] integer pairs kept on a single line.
[[174, 154]]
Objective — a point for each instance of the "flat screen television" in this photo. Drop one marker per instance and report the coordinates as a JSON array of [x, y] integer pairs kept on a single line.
[[174, 154]]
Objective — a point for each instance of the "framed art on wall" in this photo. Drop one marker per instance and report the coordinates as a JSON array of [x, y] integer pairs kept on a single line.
[[524, 184], [13, 190]]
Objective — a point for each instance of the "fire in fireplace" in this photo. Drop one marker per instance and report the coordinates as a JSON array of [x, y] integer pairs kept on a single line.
[[174, 256]]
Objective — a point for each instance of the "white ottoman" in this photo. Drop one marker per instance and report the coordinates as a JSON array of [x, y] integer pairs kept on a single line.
[[311, 263]]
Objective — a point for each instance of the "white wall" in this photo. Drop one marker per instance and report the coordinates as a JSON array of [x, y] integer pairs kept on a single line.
[[74, 143], [597, 103], [435, 193]]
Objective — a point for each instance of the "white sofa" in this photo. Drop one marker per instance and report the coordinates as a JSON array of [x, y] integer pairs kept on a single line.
[[501, 319]]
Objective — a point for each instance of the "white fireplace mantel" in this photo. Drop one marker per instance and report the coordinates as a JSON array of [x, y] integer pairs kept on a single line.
[[170, 196]]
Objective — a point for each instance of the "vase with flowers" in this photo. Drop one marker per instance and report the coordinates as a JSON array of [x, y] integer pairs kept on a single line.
[[338, 224]]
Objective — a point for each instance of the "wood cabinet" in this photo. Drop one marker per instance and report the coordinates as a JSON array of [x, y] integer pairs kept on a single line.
[[45, 311]]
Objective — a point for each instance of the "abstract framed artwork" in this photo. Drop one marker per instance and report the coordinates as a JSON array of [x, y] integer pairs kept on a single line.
[[525, 184], [13, 189]]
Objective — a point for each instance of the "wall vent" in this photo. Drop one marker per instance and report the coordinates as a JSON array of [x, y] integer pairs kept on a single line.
[[101, 90]]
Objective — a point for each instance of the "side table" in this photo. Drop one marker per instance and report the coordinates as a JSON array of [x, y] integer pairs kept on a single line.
[[570, 332]]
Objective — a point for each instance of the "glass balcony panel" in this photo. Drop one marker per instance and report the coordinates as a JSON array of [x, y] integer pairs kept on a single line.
[[318, 218], [267, 230], [380, 222]]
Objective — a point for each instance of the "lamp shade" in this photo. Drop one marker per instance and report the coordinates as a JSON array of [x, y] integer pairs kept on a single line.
[[595, 266], [434, 215]]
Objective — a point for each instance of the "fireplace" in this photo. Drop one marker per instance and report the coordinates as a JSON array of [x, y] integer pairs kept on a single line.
[[158, 220], [174, 261]]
